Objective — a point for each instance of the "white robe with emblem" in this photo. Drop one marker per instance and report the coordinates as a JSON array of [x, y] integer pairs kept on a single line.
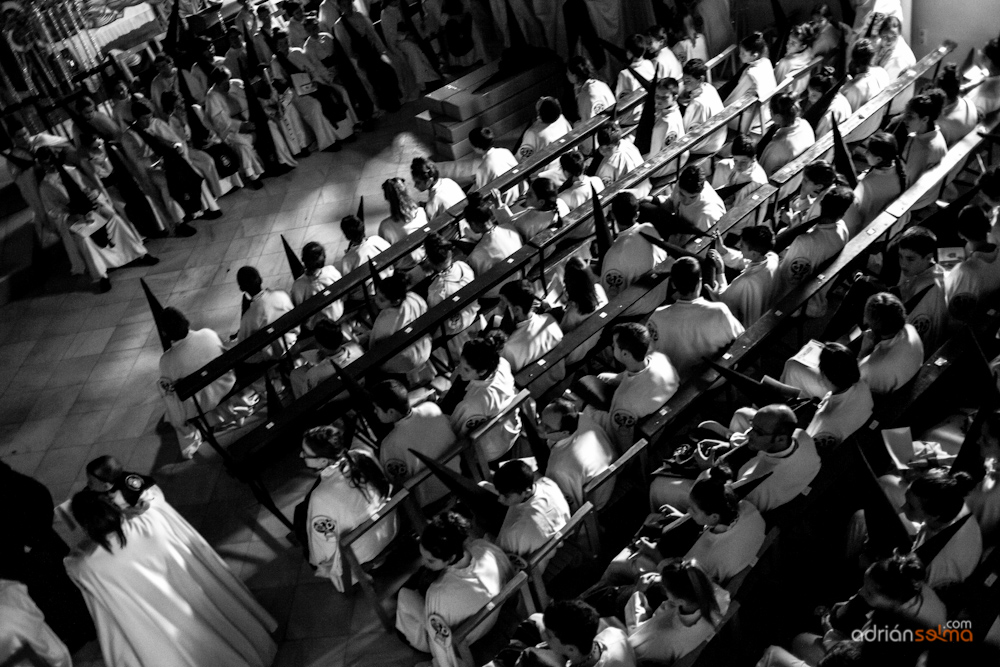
[[485, 399]]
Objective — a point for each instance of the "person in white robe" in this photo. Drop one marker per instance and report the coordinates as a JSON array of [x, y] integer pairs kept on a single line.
[[542, 210], [867, 79], [534, 333], [758, 79], [577, 188], [977, 277], [646, 384], [360, 249], [619, 156], [702, 101], [782, 449], [749, 295], [24, 625], [398, 307], [167, 79], [536, 510], [847, 406], [266, 306], [103, 238], [351, 488], [742, 167], [414, 69], [449, 275], [592, 95], [142, 577], [627, 83], [690, 43], [442, 192], [986, 96], [297, 34], [839, 110], [317, 365], [696, 201], [579, 451], [926, 146], [793, 137], [733, 528], [869, 16], [922, 286], [631, 255], [405, 218], [364, 48], [798, 55], [227, 111], [959, 115], [494, 162], [189, 352], [422, 428], [668, 126], [878, 187], [895, 57], [470, 573], [317, 277], [576, 634], [200, 159], [818, 178], [490, 390], [692, 328], [891, 352], [667, 64], [496, 242], [549, 126]]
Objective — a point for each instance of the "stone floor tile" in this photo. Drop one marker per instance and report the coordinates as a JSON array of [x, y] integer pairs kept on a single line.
[[318, 610], [77, 370], [37, 435], [50, 349], [80, 429], [62, 466]]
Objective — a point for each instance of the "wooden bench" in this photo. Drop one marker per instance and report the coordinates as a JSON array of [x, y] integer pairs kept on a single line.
[[505, 604]]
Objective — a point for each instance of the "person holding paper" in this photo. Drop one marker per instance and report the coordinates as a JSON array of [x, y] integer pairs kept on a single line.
[[749, 295]]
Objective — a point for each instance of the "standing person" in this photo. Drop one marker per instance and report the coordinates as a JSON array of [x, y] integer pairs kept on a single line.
[[470, 574], [227, 111], [31, 553], [25, 626], [494, 162], [329, 53], [86, 218], [635, 51], [757, 78], [142, 578], [449, 275], [412, 65], [189, 352], [703, 102], [442, 193], [318, 276], [592, 94], [356, 33], [350, 489]]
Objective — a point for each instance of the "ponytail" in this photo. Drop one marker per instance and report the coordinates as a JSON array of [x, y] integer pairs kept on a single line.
[[714, 494]]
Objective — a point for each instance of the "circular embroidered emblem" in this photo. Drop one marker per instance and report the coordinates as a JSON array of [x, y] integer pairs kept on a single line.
[[325, 526], [614, 278], [133, 482], [624, 419], [825, 441], [396, 469], [922, 323], [442, 633], [800, 269], [473, 423]]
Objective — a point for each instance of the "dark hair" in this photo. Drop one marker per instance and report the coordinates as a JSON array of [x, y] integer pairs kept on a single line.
[[992, 52], [313, 256], [862, 54], [438, 248], [234, 31], [822, 79], [422, 168], [657, 32], [687, 581], [391, 395], [942, 493], [481, 138], [919, 240], [973, 223], [754, 43], [836, 201], [887, 311], [325, 442], [949, 81], [106, 468], [569, 415], [401, 205], [839, 365], [821, 173], [632, 337], [696, 68], [714, 494], [890, 23], [545, 189], [581, 68], [353, 228], [928, 105], [572, 163], [759, 238], [744, 146], [579, 282], [169, 100], [899, 577], [175, 324], [445, 536], [513, 477], [478, 209], [361, 470], [218, 74], [483, 354], [393, 287], [249, 277], [670, 85], [328, 334], [989, 183], [823, 10], [685, 274], [785, 105], [805, 33], [573, 622], [99, 519], [609, 135], [885, 147], [692, 179], [140, 107], [625, 208], [519, 294], [549, 109], [84, 101], [635, 45]]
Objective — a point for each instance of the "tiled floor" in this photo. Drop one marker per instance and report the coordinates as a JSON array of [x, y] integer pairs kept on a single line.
[[78, 372]]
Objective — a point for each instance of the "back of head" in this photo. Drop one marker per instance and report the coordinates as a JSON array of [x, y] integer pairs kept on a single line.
[[438, 249], [579, 282], [899, 577], [759, 238], [353, 228], [696, 69], [423, 169], [835, 202], [573, 622], [174, 324], [821, 173], [519, 293], [325, 441], [692, 179], [313, 256], [687, 581], [609, 135], [445, 536], [754, 43], [928, 104], [839, 365], [481, 138], [973, 223], [513, 477], [805, 33], [785, 105], [862, 54], [329, 335], [885, 313], [744, 146], [549, 109], [941, 493], [249, 280], [106, 468], [581, 68], [393, 288], [625, 209], [657, 32], [883, 146], [545, 189], [822, 79], [949, 80], [567, 413], [478, 209], [635, 45], [713, 494], [686, 275], [920, 240], [98, 519], [669, 85], [401, 205], [782, 418], [572, 163], [483, 354], [634, 338], [140, 108], [391, 395]]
